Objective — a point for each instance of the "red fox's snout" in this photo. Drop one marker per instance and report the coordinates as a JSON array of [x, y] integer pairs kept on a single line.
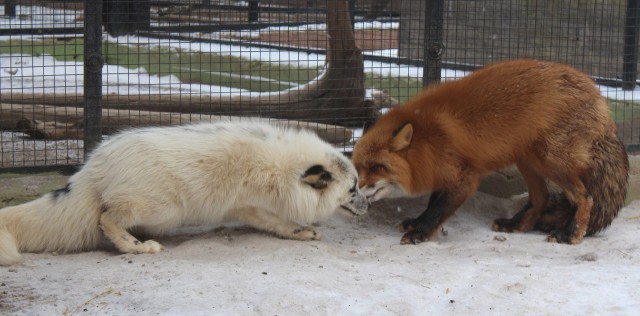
[[383, 188]]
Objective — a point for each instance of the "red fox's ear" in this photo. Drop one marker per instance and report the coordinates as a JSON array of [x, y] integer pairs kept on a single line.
[[402, 137]]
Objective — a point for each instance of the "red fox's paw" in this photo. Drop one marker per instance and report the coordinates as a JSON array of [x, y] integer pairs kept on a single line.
[[563, 237], [414, 234], [506, 225], [414, 237], [408, 225], [417, 232]]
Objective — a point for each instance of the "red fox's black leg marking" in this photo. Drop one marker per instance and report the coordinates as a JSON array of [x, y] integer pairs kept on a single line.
[[409, 224], [526, 219], [510, 225], [574, 232], [442, 204], [421, 228], [563, 235]]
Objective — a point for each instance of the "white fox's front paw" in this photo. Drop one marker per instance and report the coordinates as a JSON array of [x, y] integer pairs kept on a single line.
[[149, 246], [306, 233]]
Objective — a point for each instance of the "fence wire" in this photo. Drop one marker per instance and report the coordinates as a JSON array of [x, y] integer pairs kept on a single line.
[[169, 62]]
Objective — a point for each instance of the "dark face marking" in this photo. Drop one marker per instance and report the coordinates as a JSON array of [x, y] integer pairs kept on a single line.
[[60, 192], [317, 169], [317, 177], [353, 188]]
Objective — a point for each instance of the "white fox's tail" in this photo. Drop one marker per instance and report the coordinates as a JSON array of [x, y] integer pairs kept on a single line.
[[62, 222]]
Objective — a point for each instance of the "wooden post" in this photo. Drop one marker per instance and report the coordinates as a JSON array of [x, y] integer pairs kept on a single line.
[[254, 11], [10, 8], [433, 41]]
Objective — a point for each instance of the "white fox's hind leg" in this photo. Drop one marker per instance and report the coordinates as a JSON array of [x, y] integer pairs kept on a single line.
[[270, 222], [124, 241], [8, 248]]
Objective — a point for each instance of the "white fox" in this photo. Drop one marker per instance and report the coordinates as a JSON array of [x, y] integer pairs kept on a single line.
[[155, 179]]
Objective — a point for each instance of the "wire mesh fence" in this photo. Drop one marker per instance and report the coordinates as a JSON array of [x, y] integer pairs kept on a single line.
[[75, 72]]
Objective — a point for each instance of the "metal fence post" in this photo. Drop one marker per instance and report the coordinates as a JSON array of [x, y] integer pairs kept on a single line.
[[10, 8], [433, 41], [254, 11], [93, 62], [352, 13], [630, 50]]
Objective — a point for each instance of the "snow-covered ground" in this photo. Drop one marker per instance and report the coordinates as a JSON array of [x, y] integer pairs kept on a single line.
[[358, 268]]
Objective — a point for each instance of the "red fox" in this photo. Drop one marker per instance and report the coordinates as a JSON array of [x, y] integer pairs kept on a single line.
[[547, 118]]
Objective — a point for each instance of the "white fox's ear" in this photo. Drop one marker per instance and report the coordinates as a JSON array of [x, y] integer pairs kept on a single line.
[[317, 177], [402, 137]]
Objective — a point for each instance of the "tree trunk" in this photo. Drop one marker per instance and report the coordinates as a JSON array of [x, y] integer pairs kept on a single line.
[[55, 122], [411, 30]]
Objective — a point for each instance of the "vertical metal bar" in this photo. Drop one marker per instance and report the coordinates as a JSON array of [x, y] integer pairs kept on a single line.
[[352, 13], [140, 15], [10, 8], [433, 41], [92, 74], [254, 11], [630, 50]]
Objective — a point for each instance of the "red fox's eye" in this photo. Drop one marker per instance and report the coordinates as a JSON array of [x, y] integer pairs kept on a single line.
[[375, 168]]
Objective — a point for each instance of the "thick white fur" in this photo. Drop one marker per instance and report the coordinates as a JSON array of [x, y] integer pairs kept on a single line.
[[157, 179]]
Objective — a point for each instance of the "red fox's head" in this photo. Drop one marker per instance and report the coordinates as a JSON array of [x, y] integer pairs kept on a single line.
[[380, 157]]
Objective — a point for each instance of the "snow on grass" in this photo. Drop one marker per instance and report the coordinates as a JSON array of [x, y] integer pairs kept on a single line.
[[45, 74], [36, 17]]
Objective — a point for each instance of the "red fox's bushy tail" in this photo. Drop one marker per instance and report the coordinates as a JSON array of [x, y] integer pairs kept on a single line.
[[55, 222], [606, 183]]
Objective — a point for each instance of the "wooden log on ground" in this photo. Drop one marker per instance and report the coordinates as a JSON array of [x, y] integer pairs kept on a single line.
[[54, 122]]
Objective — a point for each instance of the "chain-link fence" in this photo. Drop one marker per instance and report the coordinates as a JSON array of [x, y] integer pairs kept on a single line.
[[75, 72]]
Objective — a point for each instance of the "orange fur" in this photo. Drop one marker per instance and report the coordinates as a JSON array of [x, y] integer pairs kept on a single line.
[[547, 118]]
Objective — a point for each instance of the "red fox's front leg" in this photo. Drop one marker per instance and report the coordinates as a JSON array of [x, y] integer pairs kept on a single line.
[[442, 204]]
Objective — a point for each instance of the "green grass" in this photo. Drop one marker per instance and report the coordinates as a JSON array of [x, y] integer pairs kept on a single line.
[[200, 67], [624, 111], [67, 50], [189, 67], [208, 68], [226, 70]]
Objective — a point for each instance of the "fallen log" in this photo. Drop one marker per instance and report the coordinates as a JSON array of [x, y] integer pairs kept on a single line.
[[53, 122], [337, 96]]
